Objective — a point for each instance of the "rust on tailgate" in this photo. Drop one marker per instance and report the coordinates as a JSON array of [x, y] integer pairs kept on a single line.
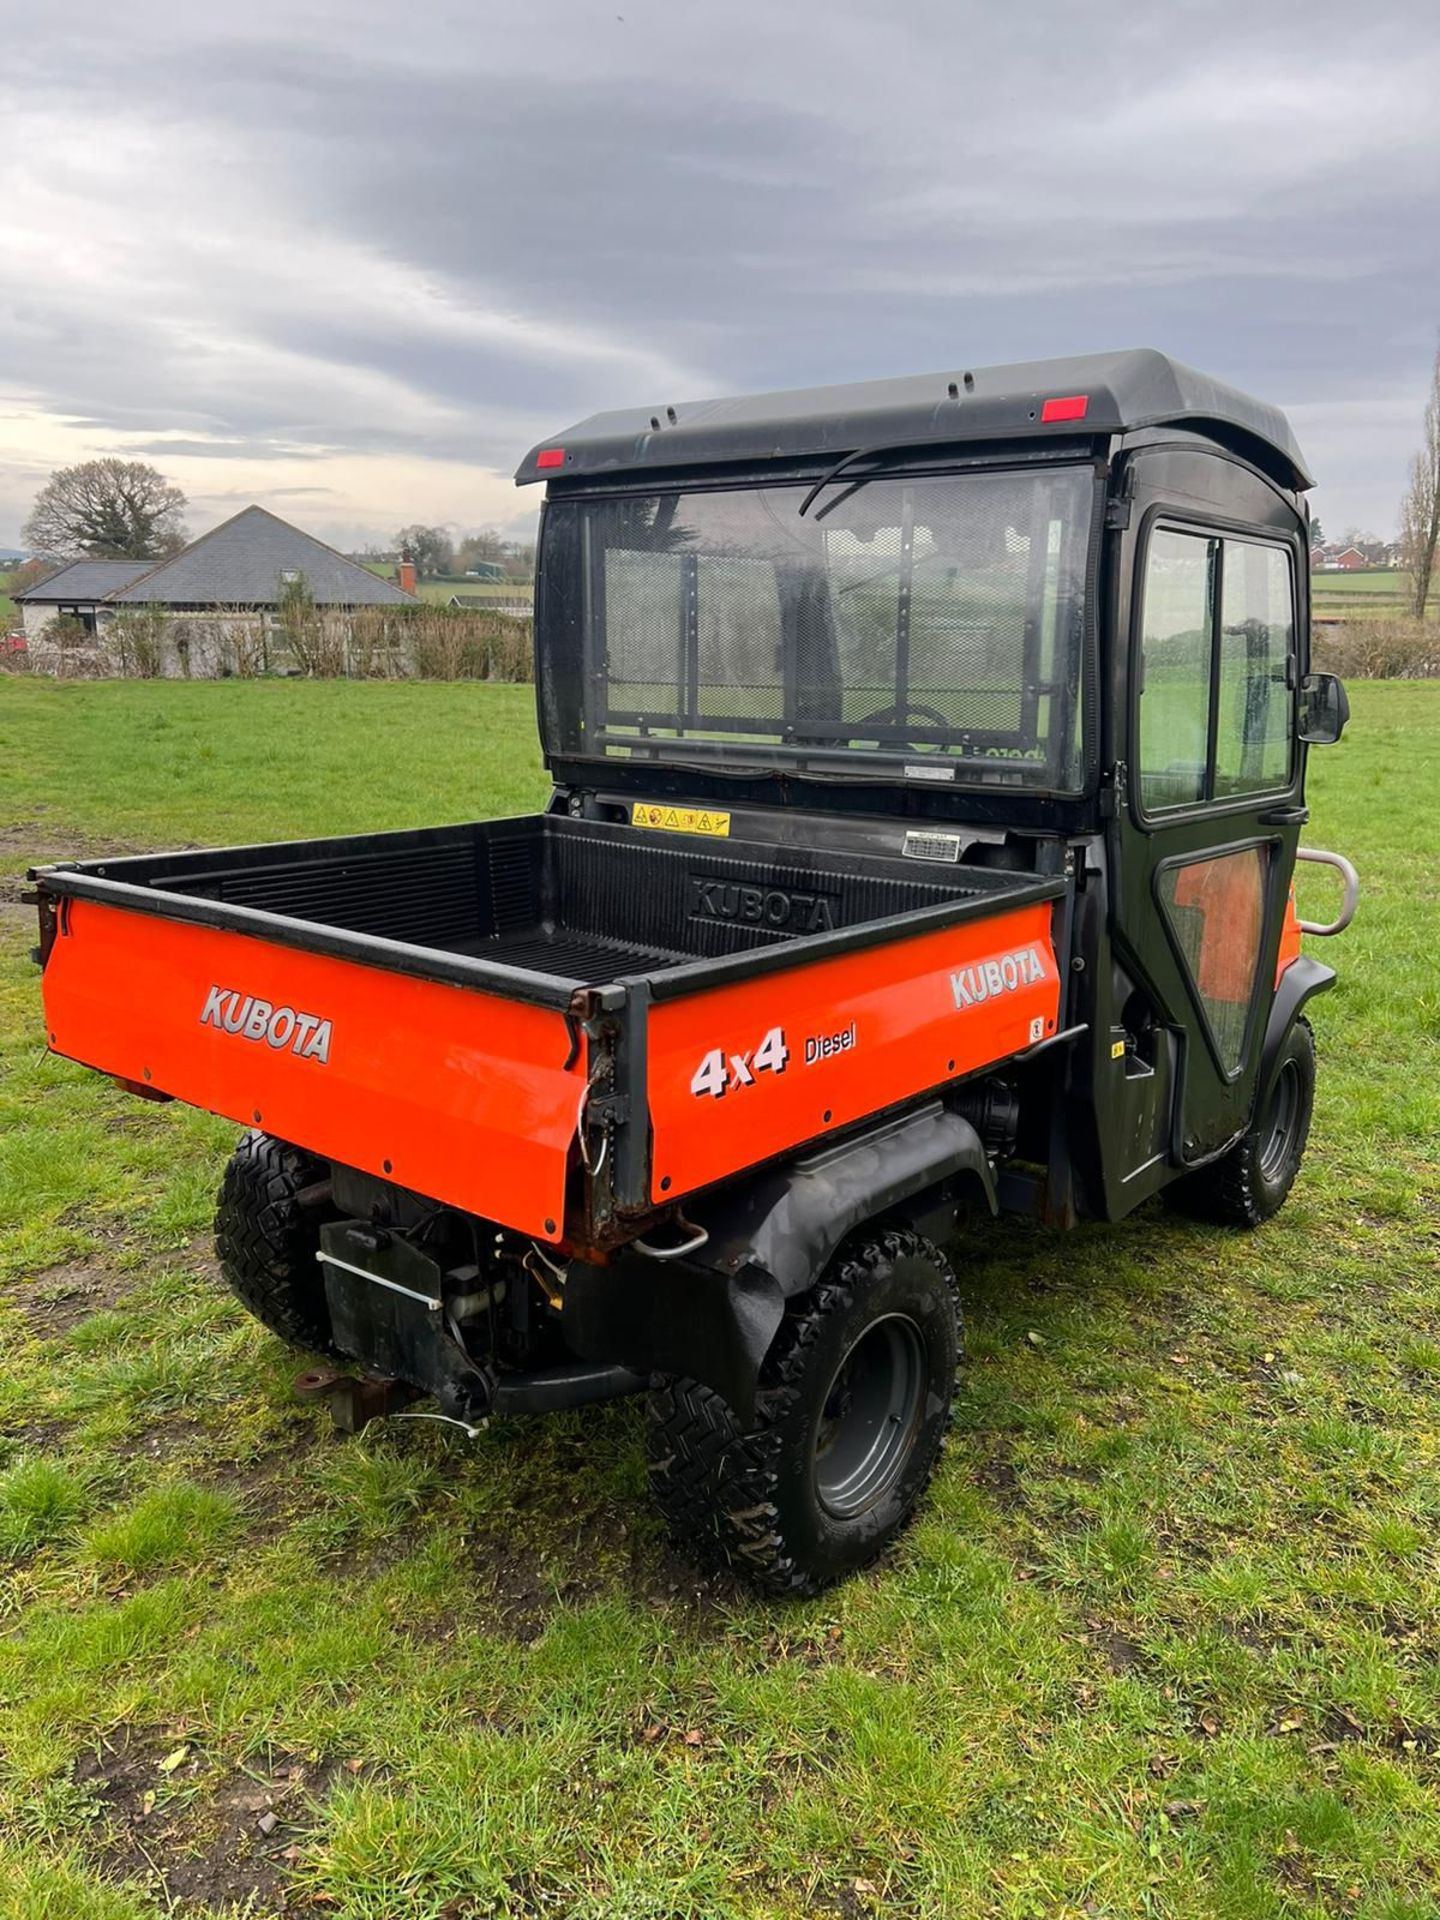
[[739, 1073], [462, 1095]]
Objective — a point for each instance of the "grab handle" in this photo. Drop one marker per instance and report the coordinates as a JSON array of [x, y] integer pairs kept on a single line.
[[1352, 890], [692, 1245]]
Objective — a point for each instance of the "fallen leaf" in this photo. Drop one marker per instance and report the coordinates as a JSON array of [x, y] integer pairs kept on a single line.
[[653, 1732], [147, 1802], [1210, 1722], [694, 1737], [1035, 1339], [175, 1759], [353, 1766]]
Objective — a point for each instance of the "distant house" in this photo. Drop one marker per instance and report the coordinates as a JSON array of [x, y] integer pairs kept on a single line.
[[249, 561], [1349, 558], [79, 591], [485, 570], [1317, 559], [241, 571]]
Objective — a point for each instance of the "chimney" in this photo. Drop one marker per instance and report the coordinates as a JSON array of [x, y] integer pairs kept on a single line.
[[405, 574]]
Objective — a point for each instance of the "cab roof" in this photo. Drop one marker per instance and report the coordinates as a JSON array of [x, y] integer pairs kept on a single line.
[[1090, 394]]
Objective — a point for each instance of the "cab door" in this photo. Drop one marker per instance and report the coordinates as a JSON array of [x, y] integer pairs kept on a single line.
[[1207, 828]]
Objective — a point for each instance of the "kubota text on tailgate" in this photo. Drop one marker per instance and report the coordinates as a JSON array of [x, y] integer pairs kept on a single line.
[[249, 1017]]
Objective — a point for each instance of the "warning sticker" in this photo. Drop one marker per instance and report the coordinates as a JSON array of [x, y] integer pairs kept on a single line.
[[681, 819]]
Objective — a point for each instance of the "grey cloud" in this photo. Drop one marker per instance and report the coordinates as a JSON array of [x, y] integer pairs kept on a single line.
[[359, 239]]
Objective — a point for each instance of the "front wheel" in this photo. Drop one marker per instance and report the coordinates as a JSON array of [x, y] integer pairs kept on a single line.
[[854, 1403], [1250, 1183]]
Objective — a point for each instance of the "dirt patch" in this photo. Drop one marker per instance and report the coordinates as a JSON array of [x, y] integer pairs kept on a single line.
[[58, 1299], [1001, 1481], [1120, 1653], [525, 1589], [666, 1580], [199, 1841]]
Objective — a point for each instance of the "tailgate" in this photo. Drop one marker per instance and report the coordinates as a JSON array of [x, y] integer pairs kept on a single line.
[[466, 1096]]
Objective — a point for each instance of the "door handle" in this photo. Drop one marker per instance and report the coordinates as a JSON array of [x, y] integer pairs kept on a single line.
[[1285, 817]]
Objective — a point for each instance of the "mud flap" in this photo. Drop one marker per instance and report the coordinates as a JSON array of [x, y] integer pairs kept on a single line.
[[713, 1316]]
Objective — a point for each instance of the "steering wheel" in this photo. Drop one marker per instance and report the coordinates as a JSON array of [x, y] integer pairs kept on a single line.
[[898, 713]]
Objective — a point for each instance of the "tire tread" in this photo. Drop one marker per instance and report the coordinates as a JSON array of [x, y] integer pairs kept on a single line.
[[266, 1242], [715, 1481]]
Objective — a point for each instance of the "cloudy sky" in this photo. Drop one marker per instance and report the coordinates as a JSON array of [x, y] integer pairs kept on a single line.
[[351, 259]]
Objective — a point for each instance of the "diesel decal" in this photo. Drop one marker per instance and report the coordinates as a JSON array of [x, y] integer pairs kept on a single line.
[[823, 1046], [251, 1018], [988, 979], [774, 907]]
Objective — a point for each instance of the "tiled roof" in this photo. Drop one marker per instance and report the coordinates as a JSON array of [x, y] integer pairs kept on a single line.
[[85, 581], [245, 562]]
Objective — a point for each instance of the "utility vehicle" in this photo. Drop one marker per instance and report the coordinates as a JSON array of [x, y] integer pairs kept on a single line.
[[929, 762]]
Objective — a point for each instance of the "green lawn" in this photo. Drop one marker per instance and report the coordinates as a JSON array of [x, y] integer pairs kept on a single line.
[[1163, 1642], [1381, 594], [1379, 581]]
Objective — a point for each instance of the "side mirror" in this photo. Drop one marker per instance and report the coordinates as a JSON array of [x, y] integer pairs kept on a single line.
[[1324, 709]]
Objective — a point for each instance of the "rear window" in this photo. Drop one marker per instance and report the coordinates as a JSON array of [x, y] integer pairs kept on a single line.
[[913, 628]]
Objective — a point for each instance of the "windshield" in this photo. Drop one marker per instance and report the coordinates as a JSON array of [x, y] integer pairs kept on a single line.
[[916, 628]]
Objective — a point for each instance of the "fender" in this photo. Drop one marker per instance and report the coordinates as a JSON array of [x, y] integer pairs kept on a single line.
[[714, 1314], [1300, 981]]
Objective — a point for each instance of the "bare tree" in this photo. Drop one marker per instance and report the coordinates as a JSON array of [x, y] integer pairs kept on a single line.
[[108, 510], [429, 547], [1420, 509]]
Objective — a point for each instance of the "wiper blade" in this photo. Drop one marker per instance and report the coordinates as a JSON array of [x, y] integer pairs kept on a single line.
[[855, 453]]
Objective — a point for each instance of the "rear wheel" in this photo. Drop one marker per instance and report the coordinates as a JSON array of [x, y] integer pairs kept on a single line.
[[853, 1408], [1251, 1182], [267, 1236]]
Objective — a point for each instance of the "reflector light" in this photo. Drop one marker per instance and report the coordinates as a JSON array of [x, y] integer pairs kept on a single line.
[[1071, 407], [550, 457]]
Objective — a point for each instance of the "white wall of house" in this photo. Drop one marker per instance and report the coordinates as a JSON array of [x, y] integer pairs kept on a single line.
[[36, 618]]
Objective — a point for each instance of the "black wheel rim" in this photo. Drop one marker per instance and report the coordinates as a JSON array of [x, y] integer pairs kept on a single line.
[[1280, 1122], [870, 1417]]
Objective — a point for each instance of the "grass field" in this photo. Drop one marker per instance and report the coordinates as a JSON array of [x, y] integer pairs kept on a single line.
[[440, 590], [1379, 595], [1163, 1642]]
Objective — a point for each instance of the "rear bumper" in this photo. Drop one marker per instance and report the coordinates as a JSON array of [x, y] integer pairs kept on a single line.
[[386, 1301]]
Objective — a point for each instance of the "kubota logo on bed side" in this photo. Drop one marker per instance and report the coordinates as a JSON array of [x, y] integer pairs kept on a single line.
[[987, 979], [251, 1018]]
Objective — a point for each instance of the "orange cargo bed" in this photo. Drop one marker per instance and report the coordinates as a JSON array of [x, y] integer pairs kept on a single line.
[[562, 1026]]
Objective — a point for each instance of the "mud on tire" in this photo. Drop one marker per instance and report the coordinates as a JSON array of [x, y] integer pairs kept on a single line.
[[854, 1404], [267, 1241]]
